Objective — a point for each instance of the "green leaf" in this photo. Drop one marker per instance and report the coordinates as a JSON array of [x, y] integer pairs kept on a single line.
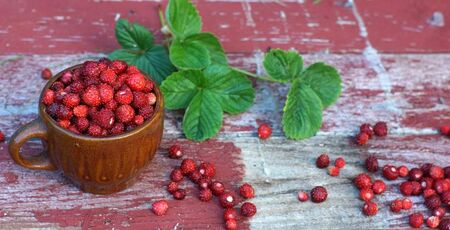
[[234, 91], [133, 36], [183, 18], [203, 117], [283, 65], [212, 44], [189, 54], [324, 80], [154, 62], [302, 116], [180, 87]]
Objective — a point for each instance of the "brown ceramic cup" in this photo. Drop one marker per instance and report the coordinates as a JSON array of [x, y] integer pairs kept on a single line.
[[100, 165]]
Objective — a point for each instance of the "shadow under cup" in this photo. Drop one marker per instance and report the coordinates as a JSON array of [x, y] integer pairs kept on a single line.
[[100, 165]]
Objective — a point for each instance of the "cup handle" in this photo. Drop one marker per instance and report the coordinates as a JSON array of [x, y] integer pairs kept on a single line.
[[34, 129]]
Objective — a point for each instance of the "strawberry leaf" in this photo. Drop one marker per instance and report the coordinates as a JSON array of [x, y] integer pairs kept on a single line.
[[283, 66], [133, 36], [183, 18]]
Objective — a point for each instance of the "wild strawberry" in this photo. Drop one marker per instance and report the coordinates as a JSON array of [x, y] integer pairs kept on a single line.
[[362, 138], [339, 162], [118, 66], [227, 200], [333, 171], [136, 81], [120, 81], [91, 96], [2, 136], [264, 131], [132, 69], [91, 69], [76, 87], [112, 105], [188, 166], [140, 100], [363, 181], [445, 224], [323, 161], [73, 129], [366, 128], [415, 174], [64, 113], [445, 129], [370, 208], [57, 86], [447, 172], [205, 195], [207, 169], [46, 74], [52, 110], [247, 191], [439, 212], [138, 120], [48, 97], [378, 187], [66, 78], [106, 93], [416, 220], [302, 196], [406, 188], [417, 189], [124, 113], [433, 202], [151, 97], [176, 175], [64, 123], [426, 182], [403, 171], [148, 86], [428, 192], [180, 194], [217, 188], [104, 118], [160, 207], [59, 96], [80, 111], [146, 112], [441, 186], [318, 194], [380, 129], [390, 172], [436, 172], [371, 164], [231, 224], [426, 169], [204, 182], [82, 123], [248, 209], [117, 128], [396, 205], [124, 96], [229, 213], [108, 76], [366, 194], [94, 130], [433, 222], [195, 176], [407, 203], [172, 187], [175, 152]]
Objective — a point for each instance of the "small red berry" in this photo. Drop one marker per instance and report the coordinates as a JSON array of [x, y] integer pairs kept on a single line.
[[362, 138], [390, 172], [406, 188], [445, 197], [160, 207], [175, 152], [172, 187], [339, 162], [447, 172], [94, 130], [333, 171], [433, 202], [80, 111], [366, 128], [64, 123], [441, 186], [124, 96], [302, 196], [124, 113], [74, 129], [106, 93], [136, 81], [264, 131], [396, 205], [176, 175], [48, 97], [188, 166], [426, 182], [57, 86], [229, 214], [428, 192], [366, 194], [407, 203], [205, 195], [433, 222], [439, 212], [140, 100], [138, 120], [91, 96], [204, 182], [378, 187], [248, 209], [227, 200], [195, 176], [318, 194], [323, 161], [112, 105], [380, 129], [64, 113], [148, 86], [426, 169], [371, 164], [231, 224], [180, 194], [91, 69], [82, 123], [247, 191], [370, 208], [436, 172], [445, 129], [363, 181], [117, 129], [445, 224], [403, 171], [76, 87], [105, 118], [207, 169], [108, 76], [146, 112], [415, 174], [417, 188], [66, 78], [2, 136], [217, 188], [132, 69], [118, 66], [416, 220], [46, 74]]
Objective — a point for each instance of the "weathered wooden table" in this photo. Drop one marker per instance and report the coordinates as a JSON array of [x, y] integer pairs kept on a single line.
[[393, 57]]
